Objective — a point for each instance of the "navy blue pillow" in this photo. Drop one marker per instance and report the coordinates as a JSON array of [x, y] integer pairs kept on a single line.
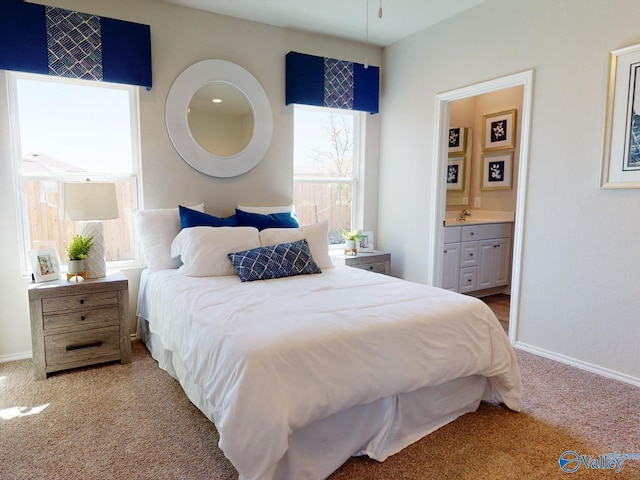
[[272, 220], [193, 218], [275, 261]]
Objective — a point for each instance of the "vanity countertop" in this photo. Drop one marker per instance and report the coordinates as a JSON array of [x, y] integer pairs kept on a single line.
[[452, 222], [478, 217]]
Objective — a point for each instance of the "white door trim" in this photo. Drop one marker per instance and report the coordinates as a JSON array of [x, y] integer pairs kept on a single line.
[[439, 199]]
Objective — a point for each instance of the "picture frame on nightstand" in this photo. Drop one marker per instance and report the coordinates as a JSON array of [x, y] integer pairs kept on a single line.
[[45, 264], [365, 243]]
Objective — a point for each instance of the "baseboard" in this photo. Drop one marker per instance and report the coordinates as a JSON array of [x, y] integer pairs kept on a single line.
[[605, 372], [16, 356]]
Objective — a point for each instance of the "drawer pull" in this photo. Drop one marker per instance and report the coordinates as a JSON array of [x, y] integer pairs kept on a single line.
[[82, 302], [83, 317], [80, 346]]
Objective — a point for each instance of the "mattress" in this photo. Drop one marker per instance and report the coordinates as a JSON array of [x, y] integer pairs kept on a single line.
[[299, 373]]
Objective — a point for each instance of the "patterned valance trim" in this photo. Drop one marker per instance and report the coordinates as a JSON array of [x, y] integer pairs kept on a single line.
[[53, 41], [328, 82]]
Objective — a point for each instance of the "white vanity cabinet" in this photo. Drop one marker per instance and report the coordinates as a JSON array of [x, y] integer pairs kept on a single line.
[[483, 252], [451, 271]]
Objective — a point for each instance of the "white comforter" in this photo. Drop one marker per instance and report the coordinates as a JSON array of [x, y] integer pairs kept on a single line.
[[273, 356]]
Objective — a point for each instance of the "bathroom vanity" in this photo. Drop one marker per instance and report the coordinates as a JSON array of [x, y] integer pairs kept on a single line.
[[477, 255]]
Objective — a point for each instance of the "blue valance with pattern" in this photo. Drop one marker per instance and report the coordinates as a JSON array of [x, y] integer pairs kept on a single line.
[[53, 41], [328, 82]]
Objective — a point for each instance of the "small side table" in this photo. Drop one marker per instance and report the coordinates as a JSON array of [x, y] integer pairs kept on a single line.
[[376, 261], [74, 324]]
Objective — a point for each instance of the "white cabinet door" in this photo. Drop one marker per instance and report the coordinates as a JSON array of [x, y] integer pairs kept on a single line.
[[486, 260], [493, 262], [451, 272], [502, 261]]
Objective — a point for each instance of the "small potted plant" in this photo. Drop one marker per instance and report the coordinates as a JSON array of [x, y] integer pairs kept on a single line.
[[77, 251], [351, 238]]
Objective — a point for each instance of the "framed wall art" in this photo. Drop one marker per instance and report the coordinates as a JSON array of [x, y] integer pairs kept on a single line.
[[457, 141], [497, 171], [621, 145], [455, 173], [45, 264], [499, 131], [365, 243]]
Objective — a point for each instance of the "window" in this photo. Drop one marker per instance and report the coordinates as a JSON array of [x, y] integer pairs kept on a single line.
[[65, 131], [326, 167]]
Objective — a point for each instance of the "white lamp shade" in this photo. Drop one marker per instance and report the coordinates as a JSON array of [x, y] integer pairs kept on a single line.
[[88, 201]]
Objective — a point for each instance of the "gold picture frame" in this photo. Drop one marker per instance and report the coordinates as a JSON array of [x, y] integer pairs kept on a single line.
[[497, 171], [499, 131], [458, 138], [456, 173]]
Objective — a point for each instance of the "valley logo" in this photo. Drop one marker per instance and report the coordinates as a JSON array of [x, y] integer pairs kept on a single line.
[[571, 461]]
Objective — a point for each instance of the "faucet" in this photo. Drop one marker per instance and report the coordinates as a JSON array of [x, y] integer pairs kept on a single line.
[[463, 215]]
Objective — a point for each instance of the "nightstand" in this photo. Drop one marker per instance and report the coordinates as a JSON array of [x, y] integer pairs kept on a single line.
[[74, 324], [376, 261]]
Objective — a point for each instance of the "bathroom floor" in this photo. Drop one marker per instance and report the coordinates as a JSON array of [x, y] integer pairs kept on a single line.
[[500, 304]]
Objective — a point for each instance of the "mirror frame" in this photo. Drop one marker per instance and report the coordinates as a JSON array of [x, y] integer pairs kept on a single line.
[[186, 85]]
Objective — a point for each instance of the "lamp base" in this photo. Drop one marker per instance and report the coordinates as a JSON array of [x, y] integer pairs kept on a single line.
[[95, 264]]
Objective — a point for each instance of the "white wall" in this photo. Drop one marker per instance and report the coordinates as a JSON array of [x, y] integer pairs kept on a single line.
[[580, 251], [179, 38]]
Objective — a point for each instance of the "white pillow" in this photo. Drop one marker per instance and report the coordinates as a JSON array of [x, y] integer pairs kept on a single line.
[[156, 229], [316, 235], [203, 250], [266, 210]]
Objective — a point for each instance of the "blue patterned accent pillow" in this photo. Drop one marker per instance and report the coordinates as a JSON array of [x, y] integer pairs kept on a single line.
[[275, 261]]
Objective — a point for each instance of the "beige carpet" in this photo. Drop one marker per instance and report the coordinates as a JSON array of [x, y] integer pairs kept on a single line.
[[133, 421]]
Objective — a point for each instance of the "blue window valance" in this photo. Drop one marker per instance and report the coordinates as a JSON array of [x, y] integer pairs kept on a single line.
[[328, 82], [53, 41]]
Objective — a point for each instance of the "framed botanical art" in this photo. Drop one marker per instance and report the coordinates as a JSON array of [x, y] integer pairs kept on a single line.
[[499, 131], [455, 173], [45, 264], [457, 141], [621, 146], [497, 171], [365, 243]]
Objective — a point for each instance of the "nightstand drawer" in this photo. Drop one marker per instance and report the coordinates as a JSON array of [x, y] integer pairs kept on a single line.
[[96, 345], [79, 302], [98, 317], [378, 267]]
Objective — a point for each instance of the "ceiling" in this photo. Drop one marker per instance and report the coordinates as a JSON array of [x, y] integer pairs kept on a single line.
[[341, 18]]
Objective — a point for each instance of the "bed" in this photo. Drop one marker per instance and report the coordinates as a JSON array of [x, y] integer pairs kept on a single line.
[[301, 372]]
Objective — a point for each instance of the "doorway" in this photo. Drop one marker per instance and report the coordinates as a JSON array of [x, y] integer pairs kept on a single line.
[[443, 100]]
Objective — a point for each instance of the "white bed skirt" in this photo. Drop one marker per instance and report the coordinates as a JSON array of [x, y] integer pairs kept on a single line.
[[377, 429]]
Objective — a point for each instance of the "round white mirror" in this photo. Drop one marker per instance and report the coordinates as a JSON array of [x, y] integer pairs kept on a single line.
[[219, 118]]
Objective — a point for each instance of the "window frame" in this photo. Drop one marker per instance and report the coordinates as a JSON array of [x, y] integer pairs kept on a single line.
[[356, 182], [20, 178]]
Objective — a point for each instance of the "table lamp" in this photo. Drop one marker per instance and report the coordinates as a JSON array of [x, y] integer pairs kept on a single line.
[[91, 202]]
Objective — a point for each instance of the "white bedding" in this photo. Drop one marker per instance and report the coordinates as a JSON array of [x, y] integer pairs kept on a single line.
[[272, 357]]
